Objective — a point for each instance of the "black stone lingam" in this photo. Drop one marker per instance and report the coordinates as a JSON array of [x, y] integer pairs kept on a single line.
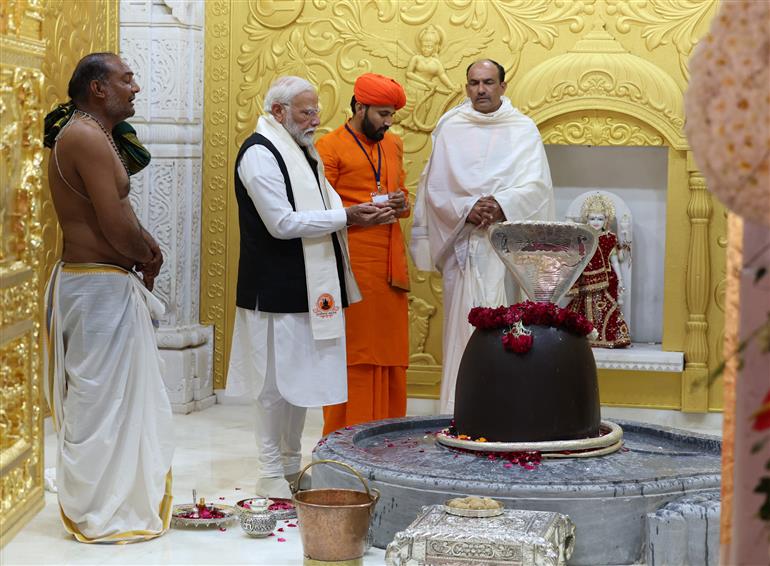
[[547, 394]]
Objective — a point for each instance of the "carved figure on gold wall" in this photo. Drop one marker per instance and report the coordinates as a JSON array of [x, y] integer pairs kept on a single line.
[[420, 313], [429, 90], [599, 292]]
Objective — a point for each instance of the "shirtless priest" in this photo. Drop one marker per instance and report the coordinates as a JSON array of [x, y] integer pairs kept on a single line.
[[488, 165], [109, 404]]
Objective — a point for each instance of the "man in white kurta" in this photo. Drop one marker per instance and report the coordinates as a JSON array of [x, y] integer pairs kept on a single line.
[[488, 165], [289, 357]]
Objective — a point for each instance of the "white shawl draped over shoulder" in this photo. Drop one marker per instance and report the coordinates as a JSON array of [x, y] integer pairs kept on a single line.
[[474, 155]]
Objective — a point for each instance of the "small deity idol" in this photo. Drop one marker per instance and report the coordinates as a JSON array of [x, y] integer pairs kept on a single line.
[[598, 292]]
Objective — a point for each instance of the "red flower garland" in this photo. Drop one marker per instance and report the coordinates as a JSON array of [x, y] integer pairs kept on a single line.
[[517, 317]]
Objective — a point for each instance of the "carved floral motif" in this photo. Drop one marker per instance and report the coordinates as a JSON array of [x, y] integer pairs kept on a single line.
[[598, 130], [20, 293], [664, 22]]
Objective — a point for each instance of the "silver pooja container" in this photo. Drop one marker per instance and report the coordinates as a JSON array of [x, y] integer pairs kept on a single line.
[[517, 537]]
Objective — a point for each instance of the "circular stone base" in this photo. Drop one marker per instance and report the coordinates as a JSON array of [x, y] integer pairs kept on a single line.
[[608, 498], [607, 443]]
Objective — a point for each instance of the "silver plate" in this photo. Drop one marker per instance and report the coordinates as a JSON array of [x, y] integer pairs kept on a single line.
[[279, 514], [479, 513], [177, 520], [251, 501], [545, 258]]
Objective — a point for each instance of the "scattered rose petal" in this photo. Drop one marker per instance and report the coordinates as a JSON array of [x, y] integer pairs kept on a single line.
[[280, 529], [291, 525], [271, 535], [222, 529], [281, 539], [221, 498]]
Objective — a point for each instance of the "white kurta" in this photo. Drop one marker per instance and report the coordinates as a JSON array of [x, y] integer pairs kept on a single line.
[[110, 406], [309, 373], [474, 155]]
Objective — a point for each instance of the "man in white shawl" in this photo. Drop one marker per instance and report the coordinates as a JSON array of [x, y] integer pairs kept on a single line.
[[294, 280], [488, 165]]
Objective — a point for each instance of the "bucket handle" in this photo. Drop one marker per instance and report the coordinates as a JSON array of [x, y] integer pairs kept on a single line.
[[294, 486]]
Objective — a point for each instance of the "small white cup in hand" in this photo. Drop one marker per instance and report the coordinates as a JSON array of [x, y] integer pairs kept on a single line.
[[380, 199]]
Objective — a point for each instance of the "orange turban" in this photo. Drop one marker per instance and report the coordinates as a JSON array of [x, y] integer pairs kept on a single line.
[[379, 90]]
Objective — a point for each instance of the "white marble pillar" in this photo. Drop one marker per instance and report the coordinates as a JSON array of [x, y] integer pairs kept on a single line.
[[162, 41]]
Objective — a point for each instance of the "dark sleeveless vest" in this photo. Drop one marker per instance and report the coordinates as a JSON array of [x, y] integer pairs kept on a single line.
[[271, 272]]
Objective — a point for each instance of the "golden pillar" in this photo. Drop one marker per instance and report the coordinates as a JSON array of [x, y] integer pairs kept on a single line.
[[696, 350]]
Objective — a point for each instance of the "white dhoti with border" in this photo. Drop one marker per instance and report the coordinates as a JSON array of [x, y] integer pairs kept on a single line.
[[110, 406]]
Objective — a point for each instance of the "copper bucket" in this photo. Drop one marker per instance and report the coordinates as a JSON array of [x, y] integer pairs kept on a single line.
[[333, 523]]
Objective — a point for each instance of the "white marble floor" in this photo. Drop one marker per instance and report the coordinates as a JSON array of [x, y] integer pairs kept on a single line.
[[216, 455]]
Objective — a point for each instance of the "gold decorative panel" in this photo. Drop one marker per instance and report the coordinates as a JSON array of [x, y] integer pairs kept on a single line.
[[589, 72], [21, 402], [40, 42]]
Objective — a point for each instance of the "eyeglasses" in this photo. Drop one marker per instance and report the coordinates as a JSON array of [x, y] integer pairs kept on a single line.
[[307, 112]]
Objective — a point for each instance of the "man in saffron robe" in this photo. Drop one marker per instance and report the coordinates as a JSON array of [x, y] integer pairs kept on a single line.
[[487, 165], [364, 163]]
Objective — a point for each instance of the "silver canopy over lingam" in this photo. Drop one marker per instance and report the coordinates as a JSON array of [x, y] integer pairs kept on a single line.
[[545, 258]]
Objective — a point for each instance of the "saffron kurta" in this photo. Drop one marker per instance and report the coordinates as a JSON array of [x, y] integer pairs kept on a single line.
[[377, 327]]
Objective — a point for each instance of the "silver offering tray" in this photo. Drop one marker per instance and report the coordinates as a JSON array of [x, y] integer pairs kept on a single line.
[[285, 514], [545, 258], [179, 516]]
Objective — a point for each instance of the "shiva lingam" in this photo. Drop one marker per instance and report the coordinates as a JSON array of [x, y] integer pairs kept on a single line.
[[527, 380]]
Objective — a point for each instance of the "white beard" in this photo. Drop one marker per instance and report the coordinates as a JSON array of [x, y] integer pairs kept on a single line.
[[303, 138]]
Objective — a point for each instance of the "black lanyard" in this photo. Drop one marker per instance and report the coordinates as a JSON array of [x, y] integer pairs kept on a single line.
[[369, 159]]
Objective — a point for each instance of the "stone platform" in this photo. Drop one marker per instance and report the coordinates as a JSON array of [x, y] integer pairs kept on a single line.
[[608, 498]]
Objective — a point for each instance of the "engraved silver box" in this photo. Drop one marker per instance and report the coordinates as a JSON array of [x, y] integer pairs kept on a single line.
[[517, 537]]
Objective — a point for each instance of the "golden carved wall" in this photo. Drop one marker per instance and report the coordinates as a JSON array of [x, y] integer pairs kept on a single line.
[[40, 43], [592, 72]]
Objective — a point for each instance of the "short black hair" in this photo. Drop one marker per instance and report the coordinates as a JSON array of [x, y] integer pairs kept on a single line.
[[500, 69], [353, 104], [92, 67]]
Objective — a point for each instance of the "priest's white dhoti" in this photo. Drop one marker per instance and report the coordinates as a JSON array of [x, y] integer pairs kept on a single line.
[[109, 404]]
